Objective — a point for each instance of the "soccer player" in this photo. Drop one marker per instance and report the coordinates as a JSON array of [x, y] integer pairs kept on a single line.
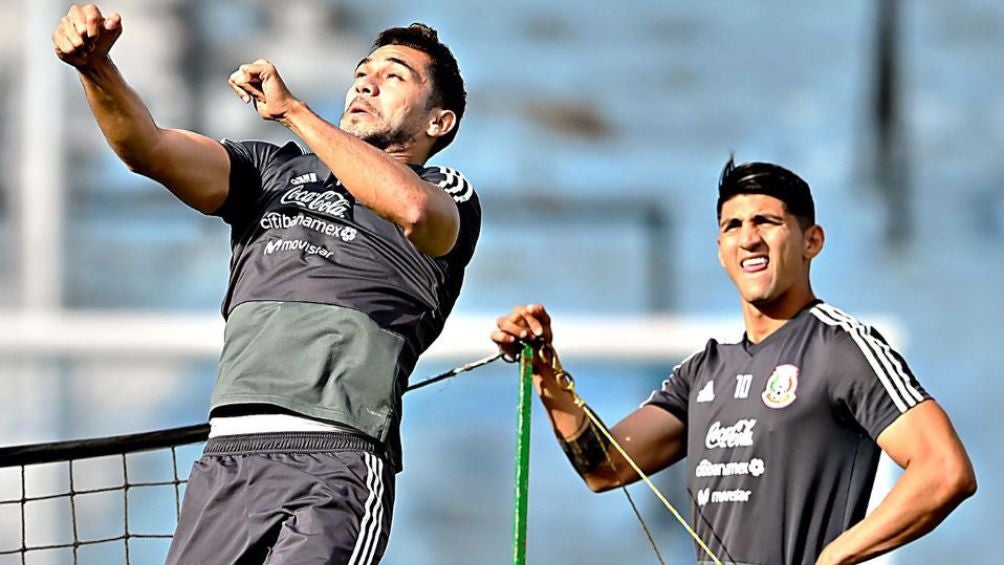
[[347, 259], [782, 431]]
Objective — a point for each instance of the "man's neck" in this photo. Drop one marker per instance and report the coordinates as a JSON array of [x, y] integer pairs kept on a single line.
[[408, 153], [762, 320], [405, 155]]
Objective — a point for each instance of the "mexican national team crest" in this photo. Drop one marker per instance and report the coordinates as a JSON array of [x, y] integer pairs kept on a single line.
[[780, 389]]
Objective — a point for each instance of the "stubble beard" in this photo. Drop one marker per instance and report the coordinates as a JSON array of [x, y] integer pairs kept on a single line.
[[382, 137], [388, 139]]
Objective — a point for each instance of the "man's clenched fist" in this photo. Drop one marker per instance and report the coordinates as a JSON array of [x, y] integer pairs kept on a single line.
[[84, 35], [259, 83]]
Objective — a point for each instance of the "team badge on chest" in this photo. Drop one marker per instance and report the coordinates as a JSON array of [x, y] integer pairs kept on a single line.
[[780, 389]]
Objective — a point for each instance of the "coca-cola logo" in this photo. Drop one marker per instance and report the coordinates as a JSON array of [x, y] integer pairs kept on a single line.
[[739, 434], [329, 202]]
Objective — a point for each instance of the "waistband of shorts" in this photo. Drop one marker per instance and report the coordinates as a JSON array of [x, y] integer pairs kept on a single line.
[[290, 442]]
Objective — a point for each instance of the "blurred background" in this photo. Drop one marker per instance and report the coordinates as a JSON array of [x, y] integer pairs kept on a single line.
[[595, 133]]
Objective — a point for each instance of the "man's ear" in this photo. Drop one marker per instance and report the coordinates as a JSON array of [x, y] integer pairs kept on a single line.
[[814, 240], [441, 122]]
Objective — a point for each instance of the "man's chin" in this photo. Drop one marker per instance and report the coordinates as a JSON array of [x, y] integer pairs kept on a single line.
[[375, 138], [379, 138], [759, 298], [353, 129]]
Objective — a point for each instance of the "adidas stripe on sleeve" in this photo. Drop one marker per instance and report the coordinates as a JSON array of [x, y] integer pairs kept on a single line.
[[874, 381]]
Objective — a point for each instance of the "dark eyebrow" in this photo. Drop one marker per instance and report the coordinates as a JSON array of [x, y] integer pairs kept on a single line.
[[762, 217], [392, 60], [404, 64], [769, 217], [725, 222]]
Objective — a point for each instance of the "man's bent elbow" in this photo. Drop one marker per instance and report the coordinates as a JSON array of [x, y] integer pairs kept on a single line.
[[139, 160], [141, 148], [431, 234], [147, 159], [138, 166], [596, 485], [958, 482], [965, 484], [601, 481]]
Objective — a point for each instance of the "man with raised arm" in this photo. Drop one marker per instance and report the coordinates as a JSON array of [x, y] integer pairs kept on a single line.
[[347, 259], [782, 431]]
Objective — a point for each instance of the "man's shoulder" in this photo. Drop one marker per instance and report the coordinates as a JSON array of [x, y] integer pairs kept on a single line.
[[451, 180], [834, 324], [713, 354], [841, 340], [264, 148], [441, 170]]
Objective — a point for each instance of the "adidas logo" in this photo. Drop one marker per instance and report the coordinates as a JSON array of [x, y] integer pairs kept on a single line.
[[309, 177], [707, 394]]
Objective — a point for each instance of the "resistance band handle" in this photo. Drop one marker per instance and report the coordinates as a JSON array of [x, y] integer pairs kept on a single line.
[[522, 456]]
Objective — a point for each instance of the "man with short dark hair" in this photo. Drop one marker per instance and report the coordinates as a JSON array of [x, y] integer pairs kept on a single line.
[[782, 431], [347, 259]]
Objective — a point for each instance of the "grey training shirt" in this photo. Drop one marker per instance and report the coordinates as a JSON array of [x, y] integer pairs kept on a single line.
[[781, 451], [329, 305]]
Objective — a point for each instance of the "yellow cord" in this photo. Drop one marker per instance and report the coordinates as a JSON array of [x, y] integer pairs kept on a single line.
[[645, 478], [566, 382]]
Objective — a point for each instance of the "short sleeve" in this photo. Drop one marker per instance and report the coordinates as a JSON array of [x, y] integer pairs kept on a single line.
[[248, 160], [673, 395], [455, 184], [871, 381]]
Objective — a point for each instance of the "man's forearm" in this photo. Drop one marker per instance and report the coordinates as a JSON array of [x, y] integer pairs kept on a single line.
[[585, 446], [379, 181], [587, 449], [922, 497], [124, 120], [565, 416]]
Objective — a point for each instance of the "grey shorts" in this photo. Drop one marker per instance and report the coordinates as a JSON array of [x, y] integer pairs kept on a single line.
[[286, 498]]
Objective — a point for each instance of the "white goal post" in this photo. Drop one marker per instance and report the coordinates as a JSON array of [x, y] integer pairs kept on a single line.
[[646, 338]]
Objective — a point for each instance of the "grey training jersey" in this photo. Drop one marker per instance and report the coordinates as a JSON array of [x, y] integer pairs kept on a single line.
[[329, 305], [781, 451]]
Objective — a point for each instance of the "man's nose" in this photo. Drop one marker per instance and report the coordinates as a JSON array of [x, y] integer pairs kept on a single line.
[[366, 85], [749, 237]]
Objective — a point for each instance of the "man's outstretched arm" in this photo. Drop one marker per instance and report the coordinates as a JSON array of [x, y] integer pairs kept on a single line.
[[937, 477], [651, 436], [193, 167]]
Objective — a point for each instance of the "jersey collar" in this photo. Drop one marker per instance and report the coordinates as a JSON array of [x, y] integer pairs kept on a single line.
[[752, 348]]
